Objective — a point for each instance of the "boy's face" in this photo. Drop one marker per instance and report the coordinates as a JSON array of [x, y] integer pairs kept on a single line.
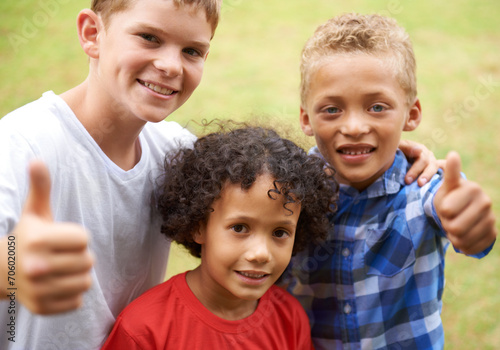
[[247, 241], [151, 57], [356, 109]]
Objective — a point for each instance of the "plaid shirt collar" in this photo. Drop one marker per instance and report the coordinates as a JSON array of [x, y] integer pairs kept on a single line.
[[389, 183]]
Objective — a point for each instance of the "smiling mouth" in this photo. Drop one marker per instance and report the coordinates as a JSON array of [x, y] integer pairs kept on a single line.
[[158, 89], [355, 151], [252, 275]]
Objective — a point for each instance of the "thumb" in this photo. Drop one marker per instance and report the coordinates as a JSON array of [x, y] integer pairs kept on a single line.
[[452, 169], [38, 201]]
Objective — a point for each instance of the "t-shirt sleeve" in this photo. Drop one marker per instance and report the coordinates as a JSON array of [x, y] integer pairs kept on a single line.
[[15, 154], [119, 338]]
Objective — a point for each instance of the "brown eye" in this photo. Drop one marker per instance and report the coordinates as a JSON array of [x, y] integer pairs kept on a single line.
[[281, 234], [239, 228]]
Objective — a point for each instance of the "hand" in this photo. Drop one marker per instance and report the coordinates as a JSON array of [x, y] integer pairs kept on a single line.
[[425, 164], [464, 210], [53, 262]]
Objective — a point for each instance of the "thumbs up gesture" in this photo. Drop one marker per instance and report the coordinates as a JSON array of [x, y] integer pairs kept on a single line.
[[52, 259], [464, 210]]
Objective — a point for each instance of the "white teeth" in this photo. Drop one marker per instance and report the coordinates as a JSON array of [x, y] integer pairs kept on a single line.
[[159, 89], [351, 153], [251, 275]]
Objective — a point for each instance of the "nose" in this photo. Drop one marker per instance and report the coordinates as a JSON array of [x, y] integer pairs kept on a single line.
[[258, 250], [169, 62], [354, 125]]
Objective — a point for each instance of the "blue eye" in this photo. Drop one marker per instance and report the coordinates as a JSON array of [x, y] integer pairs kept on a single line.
[[377, 108], [332, 110]]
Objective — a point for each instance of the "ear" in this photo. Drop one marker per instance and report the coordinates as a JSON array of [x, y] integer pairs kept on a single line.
[[414, 116], [305, 122], [89, 27], [199, 235]]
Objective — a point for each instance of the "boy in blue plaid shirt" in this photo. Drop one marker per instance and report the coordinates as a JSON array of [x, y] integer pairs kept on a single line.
[[377, 281]]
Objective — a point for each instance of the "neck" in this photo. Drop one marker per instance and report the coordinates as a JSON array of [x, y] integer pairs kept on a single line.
[[116, 133], [218, 300]]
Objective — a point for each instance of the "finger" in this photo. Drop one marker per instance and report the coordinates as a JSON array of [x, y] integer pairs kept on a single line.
[[477, 239], [60, 237], [452, 169], [441, 163], [49, 306], [423, 169], [61, 287], [63, 305], [411, 149], [415, 171], [467, 206], [38, 201], [56, 265], [456, 202], [57, 294]]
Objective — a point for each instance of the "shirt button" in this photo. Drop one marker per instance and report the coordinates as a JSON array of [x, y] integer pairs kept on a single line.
[[347, 309], [346, 252]]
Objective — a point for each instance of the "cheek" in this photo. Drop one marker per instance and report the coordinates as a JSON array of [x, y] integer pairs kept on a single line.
[[194, 73], [283, 255], [324, 132], [319, 137], [220, 249], [392, 137], [326, 151]]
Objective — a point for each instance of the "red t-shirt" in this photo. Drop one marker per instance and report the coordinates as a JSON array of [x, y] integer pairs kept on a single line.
[[169, 316]]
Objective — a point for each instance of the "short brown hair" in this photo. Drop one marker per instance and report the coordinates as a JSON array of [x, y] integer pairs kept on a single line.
[[353, 34], [107, 7]]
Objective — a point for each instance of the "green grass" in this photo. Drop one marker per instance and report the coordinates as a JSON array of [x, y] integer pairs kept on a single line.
[[252, 71]]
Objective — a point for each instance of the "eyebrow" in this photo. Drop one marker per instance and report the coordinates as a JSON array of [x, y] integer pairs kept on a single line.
[[375, 94], [364, 94], [146, 27], [370, 95], [248, 218]]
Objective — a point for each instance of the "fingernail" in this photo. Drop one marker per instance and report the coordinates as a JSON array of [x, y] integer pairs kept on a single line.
[[423, 181], [409, 179]]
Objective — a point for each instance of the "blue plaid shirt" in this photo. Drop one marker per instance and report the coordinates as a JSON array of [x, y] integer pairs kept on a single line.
[[377, 281]]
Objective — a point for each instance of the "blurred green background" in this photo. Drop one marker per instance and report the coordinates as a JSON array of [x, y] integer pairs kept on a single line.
[[252, 72]]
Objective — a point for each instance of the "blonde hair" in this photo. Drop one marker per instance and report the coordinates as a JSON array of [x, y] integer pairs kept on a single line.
[[361, 34], [105, 8]]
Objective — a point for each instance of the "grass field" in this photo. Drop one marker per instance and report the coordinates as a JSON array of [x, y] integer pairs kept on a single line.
[[252, 72]]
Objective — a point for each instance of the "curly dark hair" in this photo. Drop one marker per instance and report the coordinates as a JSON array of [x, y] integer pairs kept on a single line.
[[193, 180]]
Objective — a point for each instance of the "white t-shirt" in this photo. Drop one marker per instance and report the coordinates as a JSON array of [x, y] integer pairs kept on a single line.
[[114, 205]]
